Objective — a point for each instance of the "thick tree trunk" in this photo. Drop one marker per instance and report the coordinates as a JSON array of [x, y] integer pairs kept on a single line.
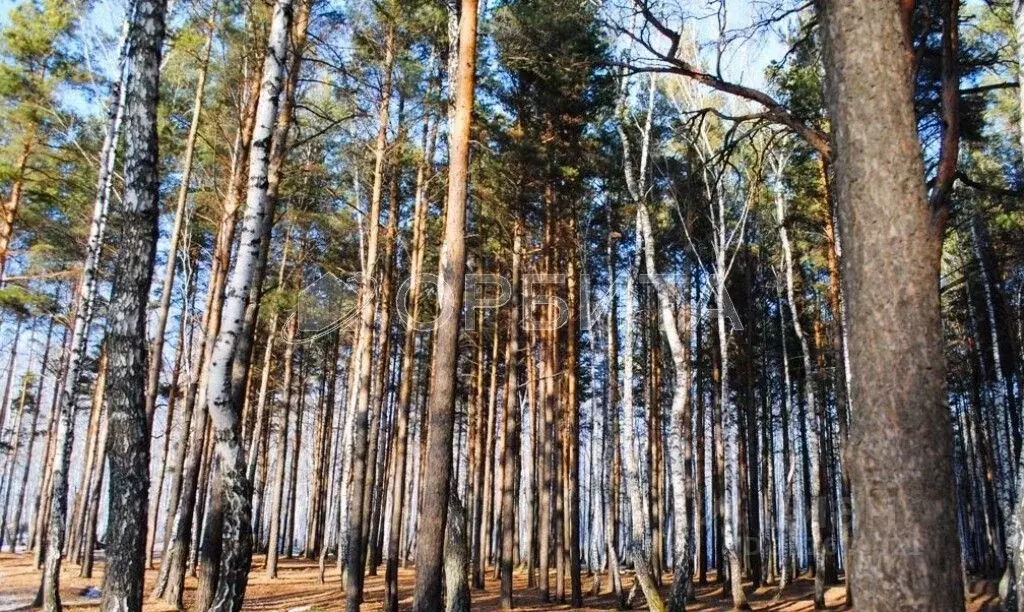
[[278, 153], [128, 437], [451, 273], [235, 489], [905, 514], [456, 558]]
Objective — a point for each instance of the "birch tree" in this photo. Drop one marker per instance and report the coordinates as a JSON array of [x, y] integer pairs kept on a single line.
[[49, 596], [235, 487]]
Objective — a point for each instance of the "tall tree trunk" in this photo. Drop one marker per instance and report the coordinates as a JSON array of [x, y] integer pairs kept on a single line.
[[128, 430], [378, 390], [37, 535], [361, 416], [259, 428], [611, 428], [63, 430], [277, 496], [235, 489], [511, 417], [639, 550], [813, 426], [680, 417], [788, 465], [183, 348], [278, 154], [400, 460], [700, 495], [901, 421], [571, 426], [485, 465], [156, 348], [451, 272]]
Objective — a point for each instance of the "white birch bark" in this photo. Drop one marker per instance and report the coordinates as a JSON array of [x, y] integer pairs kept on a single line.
[[49, 595], [667, 297], [810, 374], [236, 557], [630, 461]]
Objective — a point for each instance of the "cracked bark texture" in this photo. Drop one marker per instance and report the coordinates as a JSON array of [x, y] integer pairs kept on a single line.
[[128, 432], [900, 450]]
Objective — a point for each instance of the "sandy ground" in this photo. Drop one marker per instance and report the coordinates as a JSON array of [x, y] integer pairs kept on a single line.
[[298, 588]]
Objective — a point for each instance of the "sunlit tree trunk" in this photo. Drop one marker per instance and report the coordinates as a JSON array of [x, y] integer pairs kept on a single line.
[[511, 421], [182, 501], [362, 425], [236, 489], [277, 495], [456, 558], [400, 459], [813, 426], [63, 431], [93, 463], [451, 274], [128, 432], [906, 517], [378, 391], [610, 450], [183, 348]]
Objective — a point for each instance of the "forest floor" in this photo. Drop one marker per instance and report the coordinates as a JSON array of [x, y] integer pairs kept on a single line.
[[298, 589]]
